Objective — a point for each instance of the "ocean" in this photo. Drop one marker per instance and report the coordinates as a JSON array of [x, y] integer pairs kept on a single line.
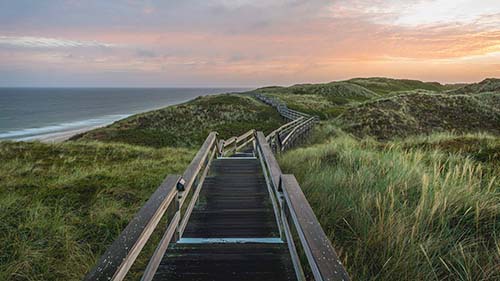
[[38, 113]]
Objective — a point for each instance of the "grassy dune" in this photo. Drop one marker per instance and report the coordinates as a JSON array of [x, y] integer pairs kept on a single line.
[[388, 86], [423, 113], [188, 124], [324, 100], [421, 209], [403, 207], [62, 204], [486, 86]]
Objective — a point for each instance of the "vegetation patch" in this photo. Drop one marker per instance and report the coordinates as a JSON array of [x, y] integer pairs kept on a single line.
[[188, 124], [485, 86], [421, 113], [412, 210], [329, 100], [387, 86], [62, 205]]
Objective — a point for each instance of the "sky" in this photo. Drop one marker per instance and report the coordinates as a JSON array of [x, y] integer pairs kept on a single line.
[[247, 43]]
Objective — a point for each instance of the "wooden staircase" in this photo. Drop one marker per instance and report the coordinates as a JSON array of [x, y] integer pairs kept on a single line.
[[232, 233], [232, 215]]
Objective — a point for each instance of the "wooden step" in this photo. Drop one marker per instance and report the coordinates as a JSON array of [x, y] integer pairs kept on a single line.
[[242, 262], [234, 202]]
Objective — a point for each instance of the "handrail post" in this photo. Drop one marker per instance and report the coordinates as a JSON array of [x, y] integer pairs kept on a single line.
[[177, 208], [279, 144]]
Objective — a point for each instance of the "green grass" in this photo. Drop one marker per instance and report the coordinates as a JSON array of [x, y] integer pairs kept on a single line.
[[188, 124], [425, 208], [422, 113], [387, 86], [61, 205], [329, 100], [418, 208], [487, 85]]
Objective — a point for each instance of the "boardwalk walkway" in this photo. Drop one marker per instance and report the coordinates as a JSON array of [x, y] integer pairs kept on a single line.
[[232, 215]]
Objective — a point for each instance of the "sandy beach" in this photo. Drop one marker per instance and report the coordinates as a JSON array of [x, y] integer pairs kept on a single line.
[[59, 136]]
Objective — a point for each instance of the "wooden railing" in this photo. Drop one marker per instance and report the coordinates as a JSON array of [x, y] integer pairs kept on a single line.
[[177, 196], [234, 144], [295, 211], [293, 132], [172, 194], [282, 108]]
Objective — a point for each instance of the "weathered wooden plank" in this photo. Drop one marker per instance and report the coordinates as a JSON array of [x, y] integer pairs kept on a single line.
[[298, 132], [197, 163], [235, 203], [194, 199], [231, 262], [271, 163], [321, 256], [282, 128], [244, 144], [296, 129], [232, 140], [155, 260], [119, 257]]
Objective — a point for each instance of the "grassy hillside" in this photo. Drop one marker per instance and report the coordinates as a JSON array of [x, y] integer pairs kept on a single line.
[[188, 124], [421, 209], [422, 113], [62, 204], [486, 86], [329, 100], [386, 86], [324, 100], [405, 208]]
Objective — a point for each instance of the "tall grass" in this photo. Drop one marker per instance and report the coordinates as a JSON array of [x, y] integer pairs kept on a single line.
[[61, 205], [401, 212]]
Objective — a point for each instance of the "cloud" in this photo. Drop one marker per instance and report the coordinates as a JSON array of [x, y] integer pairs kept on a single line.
[[44, 42], [251, 41]]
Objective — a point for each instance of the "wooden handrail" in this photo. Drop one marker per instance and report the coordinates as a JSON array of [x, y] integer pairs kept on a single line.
[[283, 127], [119, 257], [272, 164], [297, 132], [233, 144], [296, 128], [196, 164], [323, 261], [321, 257], [232, 140], [286, 192]]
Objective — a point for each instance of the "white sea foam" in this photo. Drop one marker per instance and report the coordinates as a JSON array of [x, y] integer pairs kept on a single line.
[[35, 133]]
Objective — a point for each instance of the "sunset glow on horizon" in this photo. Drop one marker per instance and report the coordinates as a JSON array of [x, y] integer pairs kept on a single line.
[[245, 43]]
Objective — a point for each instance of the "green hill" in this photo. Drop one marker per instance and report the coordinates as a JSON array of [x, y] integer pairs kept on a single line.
[[485, 86], [188, 124], [398, 204], [384, 86], [324, 100], [329, 100], [422, 113]]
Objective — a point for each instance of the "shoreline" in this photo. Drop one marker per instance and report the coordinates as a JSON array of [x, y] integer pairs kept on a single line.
[[59, 132], [59, 137]]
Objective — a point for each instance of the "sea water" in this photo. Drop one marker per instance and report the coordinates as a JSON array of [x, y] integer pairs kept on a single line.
[[32, 113]]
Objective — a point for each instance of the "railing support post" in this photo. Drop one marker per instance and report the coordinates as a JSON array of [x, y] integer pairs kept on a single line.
[[177, 208]]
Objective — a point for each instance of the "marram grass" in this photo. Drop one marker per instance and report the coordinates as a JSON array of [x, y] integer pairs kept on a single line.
[[395, 212], [61, 205]]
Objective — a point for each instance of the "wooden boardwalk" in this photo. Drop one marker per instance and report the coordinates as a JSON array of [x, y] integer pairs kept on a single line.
[[234, 207], [232, 215], [234, 203]]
